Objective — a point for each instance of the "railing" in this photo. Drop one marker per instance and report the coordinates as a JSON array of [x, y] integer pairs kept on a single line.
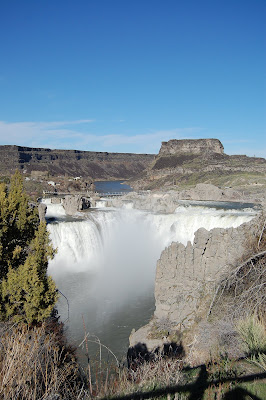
[[110, 194], [55, 193]]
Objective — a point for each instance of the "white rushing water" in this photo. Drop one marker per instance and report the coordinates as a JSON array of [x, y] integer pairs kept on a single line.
[[122, 244], [54, 210], [108, 260]]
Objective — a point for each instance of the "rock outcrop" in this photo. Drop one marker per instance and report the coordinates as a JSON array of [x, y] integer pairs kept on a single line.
[[182, 163], [74, 203], [42, 211], [206, 191], [191, 146], [187, 277], [169, 201]]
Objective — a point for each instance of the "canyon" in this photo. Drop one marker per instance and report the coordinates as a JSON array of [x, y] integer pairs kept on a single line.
[[127, 248], [193, 232]]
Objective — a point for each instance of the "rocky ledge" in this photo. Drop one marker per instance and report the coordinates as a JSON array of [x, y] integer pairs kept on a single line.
[[168, 201]]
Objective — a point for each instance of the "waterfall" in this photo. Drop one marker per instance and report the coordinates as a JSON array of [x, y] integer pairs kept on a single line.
[[54, 210], [101, 203], [128, 241], [105, 264]]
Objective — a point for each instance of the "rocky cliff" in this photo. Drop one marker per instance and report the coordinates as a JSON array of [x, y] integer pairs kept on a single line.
[[186, 276], [191, 146], [186, 280], [97, 165], [183, 163]]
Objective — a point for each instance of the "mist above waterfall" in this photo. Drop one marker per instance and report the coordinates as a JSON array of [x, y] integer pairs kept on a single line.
[[118, 248]]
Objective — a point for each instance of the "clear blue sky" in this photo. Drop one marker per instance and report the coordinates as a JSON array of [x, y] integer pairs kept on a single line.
[[124, 75]]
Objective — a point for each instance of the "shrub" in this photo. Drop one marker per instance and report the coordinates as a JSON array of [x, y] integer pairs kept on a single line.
[[252, 331], [253, 334]]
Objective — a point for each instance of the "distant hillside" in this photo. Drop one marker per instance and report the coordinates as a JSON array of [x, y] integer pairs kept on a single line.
[[96, 165], [185, 163]]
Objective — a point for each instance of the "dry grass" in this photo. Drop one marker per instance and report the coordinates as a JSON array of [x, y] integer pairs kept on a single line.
[[35, 364], [252, 331], [148, 376], [243, 290]]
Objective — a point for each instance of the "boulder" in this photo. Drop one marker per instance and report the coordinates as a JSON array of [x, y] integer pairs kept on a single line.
[[74, 203]]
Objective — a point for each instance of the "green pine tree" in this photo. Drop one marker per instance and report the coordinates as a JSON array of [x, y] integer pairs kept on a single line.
[[18, 223], [26, 292]]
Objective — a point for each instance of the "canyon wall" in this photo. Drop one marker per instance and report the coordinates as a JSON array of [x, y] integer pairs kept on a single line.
[[96, 165], [187, 278]]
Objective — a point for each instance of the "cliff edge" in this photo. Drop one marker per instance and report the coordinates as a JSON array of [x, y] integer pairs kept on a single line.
[[96, 165]]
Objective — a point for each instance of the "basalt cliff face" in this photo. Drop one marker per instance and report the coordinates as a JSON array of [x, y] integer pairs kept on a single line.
[[187, 278], [182, 163], [96, 165]]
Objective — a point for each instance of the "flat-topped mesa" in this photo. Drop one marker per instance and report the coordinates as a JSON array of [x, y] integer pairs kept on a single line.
[[192, 146]]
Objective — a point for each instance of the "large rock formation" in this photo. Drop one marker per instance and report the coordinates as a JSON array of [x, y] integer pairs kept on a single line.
[[187, 276], [191, 146], [96, 165], [186, 280], [182, 163]]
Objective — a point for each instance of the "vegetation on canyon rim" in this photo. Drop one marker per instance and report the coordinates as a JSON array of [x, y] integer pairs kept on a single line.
[[37, 363]]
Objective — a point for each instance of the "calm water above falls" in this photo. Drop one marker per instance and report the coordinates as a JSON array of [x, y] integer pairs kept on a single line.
[[111, 186], [106, 263]]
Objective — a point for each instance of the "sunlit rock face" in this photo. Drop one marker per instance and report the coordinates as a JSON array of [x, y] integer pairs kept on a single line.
[[193, 146], [187, 276]]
